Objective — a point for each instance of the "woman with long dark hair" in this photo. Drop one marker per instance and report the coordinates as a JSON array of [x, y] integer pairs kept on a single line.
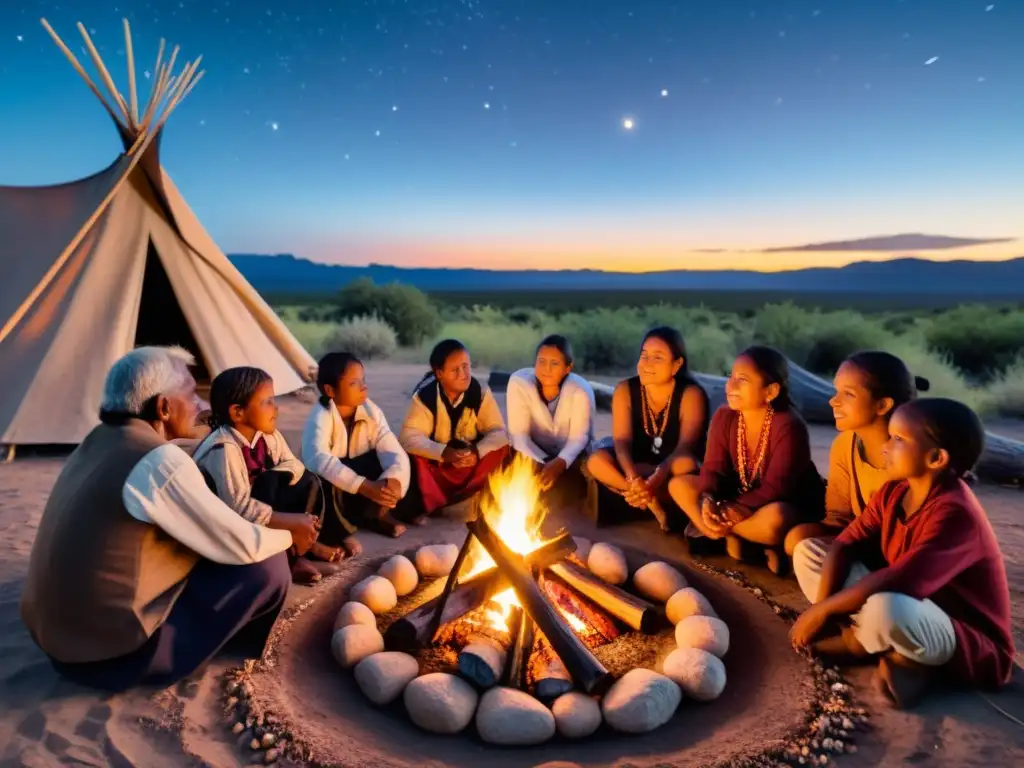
[[659, 427]]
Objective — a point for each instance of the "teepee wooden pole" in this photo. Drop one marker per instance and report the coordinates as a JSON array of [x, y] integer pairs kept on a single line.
[[132, 91], [155, 96], [136, 151], [85, 75], [155, 80], [107, 79], [186, 82]]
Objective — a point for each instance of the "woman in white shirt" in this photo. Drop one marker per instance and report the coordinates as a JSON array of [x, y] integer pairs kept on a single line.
[[551, 416], [347, 442]]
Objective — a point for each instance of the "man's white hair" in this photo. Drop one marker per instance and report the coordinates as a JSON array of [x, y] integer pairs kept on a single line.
[[144, 373]]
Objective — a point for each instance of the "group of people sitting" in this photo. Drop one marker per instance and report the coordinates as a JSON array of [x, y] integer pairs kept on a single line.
[[150, 558]]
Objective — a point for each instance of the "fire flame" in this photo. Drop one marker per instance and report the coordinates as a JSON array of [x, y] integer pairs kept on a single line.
[[514, 512]]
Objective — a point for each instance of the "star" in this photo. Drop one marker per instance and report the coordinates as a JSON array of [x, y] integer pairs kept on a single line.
[[981, 79], [931, 61], [664, 92], [628, 123], [274, 126], [19, 38], [989, 8], [487, 105], [394, 108], [376, 133]]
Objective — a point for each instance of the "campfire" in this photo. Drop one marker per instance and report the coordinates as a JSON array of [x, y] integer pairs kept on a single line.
[[520, 630], [522, 611]]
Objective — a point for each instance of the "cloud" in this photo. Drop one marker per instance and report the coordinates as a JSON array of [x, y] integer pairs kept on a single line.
[[889, 243]]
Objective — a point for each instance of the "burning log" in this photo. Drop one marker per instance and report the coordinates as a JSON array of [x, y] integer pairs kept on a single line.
[[550, 677], [416, 629], [482, 662], [519, 654], [484, 659], [635, 612], [584, 668], [593, 626]]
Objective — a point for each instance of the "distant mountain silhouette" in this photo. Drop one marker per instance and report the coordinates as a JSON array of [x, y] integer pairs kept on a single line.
[[285, 273], [894, 244]]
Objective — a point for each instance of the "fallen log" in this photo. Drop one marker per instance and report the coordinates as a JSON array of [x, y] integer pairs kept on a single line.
[[416, 629], [586, 671], [1002, 462]]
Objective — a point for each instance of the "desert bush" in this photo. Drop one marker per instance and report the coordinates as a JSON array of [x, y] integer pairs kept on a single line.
[[981, 341], [604, 340], [1005, 394], [405, 308], [367, 337]]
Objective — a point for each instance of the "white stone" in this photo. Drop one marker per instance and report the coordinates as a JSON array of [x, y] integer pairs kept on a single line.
[[688, 602], [697, 672], [383, 676], [583, 547], [576, 715], [400, 571], [511, 717], [658, 581], [353, 643], [608, 563], [376, 593], [440, 703], [354, 613], [435, 560], [640, 701], [708, 633]]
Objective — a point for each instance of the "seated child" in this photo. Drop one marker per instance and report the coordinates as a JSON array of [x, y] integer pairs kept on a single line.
[[937, 604], [659, 425], [758, 479], [348, 443], [870, 386], [453, 432], [551, 419], [249, 465]]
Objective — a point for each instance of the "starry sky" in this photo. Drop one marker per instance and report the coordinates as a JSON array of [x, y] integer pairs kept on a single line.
[[638, 135]]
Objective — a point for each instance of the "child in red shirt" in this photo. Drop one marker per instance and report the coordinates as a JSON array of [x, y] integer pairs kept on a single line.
[[940, 598]]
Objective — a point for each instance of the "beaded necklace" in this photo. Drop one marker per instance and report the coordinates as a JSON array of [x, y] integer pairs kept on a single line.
[[748, 474], [652, 427]]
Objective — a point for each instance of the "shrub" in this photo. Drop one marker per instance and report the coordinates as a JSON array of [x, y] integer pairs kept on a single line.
[[980, 340], [1005, 394], [604, 340], [369, 338], [403, 307]]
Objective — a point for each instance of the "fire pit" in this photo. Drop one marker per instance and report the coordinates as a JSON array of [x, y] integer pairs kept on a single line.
[[525, 637], [294, 705]]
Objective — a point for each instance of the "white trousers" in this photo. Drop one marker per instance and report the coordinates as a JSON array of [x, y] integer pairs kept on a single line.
[[916, 629]]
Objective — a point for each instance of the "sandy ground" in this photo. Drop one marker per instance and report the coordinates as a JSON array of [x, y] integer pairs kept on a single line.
[[46, 721]]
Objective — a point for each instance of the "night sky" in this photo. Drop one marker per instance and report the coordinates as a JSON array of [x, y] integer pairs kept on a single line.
[[497, 132]]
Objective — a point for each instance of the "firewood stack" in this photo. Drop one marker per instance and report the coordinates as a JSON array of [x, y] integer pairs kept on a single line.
[[544, 645]]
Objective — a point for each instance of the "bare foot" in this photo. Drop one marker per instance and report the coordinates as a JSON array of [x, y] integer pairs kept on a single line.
[[902, 681], [323, 552], [352, 546], [304, 572], [420, 520]]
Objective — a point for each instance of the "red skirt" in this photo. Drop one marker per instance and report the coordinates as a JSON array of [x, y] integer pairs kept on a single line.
[[441, 485]]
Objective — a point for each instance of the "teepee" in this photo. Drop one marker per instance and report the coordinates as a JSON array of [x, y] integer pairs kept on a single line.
[[95, 267]]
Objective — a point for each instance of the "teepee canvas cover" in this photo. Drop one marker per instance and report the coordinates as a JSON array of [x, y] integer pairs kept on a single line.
[[93, 268]]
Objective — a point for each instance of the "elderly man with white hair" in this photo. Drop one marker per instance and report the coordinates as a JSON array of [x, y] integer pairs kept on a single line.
[[140, 574]]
